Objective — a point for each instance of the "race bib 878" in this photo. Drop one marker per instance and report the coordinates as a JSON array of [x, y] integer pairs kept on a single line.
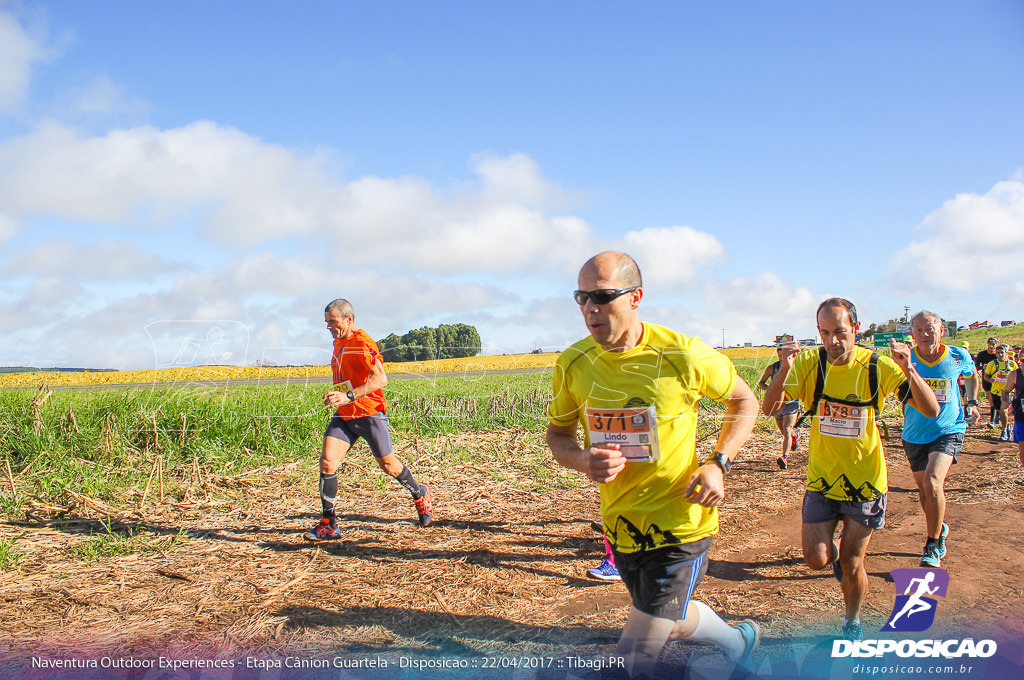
[[840, 420]]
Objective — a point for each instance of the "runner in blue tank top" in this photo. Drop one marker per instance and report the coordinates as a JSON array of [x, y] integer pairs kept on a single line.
[[932, 444]]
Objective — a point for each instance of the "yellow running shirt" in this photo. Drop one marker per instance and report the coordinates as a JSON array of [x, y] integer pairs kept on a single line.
[[845, 461], [997, 374], [644, 507]]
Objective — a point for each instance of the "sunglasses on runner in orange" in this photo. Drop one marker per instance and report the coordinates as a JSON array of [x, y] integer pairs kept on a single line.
[[600, 297]]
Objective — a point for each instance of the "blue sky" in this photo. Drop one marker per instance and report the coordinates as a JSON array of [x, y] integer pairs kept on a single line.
[[212, 176]]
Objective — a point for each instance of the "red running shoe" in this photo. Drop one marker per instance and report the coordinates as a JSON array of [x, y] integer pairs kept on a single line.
[[424, 506], [323, 531]]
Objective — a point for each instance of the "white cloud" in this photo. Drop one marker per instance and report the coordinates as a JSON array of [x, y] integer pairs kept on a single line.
[[670, 257], [19, 52], [253, 191], [76, 261], [104, 96], [48, 294], [245, 192], [9, 228], [517, 178], [972, 241], [766, 297], [751, 309]]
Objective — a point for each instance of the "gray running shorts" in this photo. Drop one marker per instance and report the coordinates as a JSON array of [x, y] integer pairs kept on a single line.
[[790, 408], [819, 508], [918, 454]]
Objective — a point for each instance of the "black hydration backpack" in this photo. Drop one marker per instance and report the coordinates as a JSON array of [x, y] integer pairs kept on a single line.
[[819, 387]]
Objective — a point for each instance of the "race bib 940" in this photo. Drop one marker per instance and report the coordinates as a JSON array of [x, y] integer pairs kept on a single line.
[[940, 386], [635, 430]]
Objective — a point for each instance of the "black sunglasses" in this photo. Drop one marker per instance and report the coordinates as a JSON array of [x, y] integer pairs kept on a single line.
[[600, 297]]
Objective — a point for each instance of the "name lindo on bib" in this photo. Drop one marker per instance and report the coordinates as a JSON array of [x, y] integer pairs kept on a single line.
[[635, 430]]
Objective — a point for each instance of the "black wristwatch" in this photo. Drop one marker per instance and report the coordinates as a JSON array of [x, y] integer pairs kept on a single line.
[[351, 395], [721, 460]]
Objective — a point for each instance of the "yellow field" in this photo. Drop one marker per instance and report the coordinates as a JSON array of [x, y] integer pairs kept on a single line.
[[199, 373], [170, 375], [749, 352]]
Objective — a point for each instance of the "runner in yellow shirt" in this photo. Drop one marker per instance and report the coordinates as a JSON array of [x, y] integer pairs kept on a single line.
[[997, 372], [846, 475], [634, 387]]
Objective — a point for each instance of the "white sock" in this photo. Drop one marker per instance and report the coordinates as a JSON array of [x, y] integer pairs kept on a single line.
[[711, 628]]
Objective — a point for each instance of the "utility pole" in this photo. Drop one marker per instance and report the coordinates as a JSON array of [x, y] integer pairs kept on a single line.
[[906, 314]]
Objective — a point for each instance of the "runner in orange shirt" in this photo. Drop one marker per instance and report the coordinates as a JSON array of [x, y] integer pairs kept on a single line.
[[362, 411]]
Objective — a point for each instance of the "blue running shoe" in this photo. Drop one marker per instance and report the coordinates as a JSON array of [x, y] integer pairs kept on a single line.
[[942, 539], [931, 556], [606, 572], [323, 531], [751, 633], [852, 630]]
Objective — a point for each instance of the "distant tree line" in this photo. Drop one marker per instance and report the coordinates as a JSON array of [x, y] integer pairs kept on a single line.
[[447, 341]]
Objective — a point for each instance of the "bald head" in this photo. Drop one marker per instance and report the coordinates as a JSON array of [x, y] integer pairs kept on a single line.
[[617, 268]]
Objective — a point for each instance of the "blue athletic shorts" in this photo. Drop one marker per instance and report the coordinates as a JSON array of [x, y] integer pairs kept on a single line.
[[374, 429], [818, 508], [1018, 431], [948, 444], [661, 581]]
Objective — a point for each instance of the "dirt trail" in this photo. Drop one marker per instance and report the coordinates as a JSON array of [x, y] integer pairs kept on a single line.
[[501, 573]]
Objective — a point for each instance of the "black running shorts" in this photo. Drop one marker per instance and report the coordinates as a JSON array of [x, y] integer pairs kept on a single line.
[[661, 581]]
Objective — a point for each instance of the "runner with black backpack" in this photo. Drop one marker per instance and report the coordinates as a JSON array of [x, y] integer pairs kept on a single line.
[[843, 387]]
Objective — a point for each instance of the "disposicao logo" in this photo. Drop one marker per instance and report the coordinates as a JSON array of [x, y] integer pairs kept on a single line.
[[914, 610]]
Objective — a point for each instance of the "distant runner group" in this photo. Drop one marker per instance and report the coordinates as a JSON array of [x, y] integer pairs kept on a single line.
[[631, 388]]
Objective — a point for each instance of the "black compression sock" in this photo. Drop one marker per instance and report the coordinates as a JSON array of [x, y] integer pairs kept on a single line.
[[328, 495], [406, 479]]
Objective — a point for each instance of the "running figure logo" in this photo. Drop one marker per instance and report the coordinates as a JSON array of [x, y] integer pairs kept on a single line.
[[914, 610]]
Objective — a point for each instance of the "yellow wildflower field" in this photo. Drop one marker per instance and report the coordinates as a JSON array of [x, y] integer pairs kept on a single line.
[[201, 373]]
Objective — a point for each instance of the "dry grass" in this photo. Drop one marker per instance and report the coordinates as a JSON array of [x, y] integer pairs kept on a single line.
[[230, 573], [224, 574]]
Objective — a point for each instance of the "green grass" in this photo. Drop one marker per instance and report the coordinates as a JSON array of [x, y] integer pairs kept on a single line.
[[10, 556], [1011, 335], [102, 545], [103, 443]]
